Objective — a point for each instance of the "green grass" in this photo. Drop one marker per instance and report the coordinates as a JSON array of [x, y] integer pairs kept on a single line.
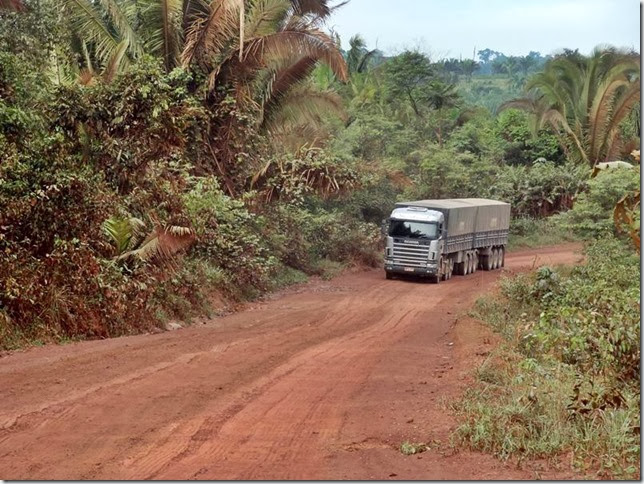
[[328, 269], [519, 408], [530, 398], [526, 233], [410, 448], [287, 276]]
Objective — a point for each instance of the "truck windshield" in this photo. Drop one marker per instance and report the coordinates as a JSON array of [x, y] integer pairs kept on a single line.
[[413, 230]]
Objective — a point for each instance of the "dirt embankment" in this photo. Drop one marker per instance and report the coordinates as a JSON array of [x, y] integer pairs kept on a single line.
[[322, 382]]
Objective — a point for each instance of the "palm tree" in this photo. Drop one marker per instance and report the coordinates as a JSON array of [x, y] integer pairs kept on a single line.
[[441, 96], [262, 52], [182, 31], [263, 49], [469, 66], [585, 99], [358, 55]]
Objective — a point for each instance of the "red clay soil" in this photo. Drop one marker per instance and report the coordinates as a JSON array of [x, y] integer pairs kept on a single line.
[[323, 381]]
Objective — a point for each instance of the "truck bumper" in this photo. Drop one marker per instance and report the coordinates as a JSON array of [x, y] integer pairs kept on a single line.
[[419, 271]]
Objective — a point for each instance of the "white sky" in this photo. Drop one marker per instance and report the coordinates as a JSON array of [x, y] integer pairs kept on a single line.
[[451, 28]]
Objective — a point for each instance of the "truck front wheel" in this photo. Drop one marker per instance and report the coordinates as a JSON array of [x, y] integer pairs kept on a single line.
[[388, 275]]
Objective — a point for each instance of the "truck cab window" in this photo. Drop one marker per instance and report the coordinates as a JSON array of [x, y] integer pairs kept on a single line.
[[413, 230]]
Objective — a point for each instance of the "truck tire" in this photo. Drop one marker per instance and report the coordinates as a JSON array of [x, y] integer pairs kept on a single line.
[[485, 262], [495, 259], [466, 265], [458, 268], [449, 268], [435, 279], [502, 257], [473, 264], [388, 275]]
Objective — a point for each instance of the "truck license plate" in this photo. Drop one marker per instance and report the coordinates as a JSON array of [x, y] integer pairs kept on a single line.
[[409, 269]]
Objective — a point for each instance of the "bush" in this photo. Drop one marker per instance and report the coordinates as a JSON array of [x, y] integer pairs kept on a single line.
[[592, 213], [574, 340], [301, 237], [537, 232], [228, 235]]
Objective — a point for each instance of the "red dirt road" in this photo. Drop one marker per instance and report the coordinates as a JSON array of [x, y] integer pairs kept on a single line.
[[323, 381]]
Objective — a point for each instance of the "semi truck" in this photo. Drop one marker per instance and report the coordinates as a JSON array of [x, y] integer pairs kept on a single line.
[[439, 238]]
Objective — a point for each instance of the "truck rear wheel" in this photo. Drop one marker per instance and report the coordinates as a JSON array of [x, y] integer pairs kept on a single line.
[[458, 268], [502, 257], [495, 259], [466, 266]]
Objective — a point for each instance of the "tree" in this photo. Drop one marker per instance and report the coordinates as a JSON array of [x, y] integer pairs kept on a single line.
[[469, 66], [442, 96], [585, 100], [486, 55], [358, 55], [408, 79]]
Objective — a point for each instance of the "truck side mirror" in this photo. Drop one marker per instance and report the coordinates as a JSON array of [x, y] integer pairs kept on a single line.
[[384, 226]]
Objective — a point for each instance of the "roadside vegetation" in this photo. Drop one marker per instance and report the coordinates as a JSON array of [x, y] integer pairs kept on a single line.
[[565, 384]]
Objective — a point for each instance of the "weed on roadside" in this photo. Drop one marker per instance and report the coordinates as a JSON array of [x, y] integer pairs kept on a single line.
[[566, 381]]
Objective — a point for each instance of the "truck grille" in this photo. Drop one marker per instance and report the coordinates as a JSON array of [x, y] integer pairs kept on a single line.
[[410, 255]]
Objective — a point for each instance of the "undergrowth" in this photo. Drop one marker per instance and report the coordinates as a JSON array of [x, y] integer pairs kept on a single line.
[[528, 233], [566, 381]]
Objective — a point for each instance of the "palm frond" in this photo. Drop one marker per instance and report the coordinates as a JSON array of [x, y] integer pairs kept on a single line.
[[364, 61], [318, 8], [265, 16], [162, 20], [621, 109], [304, 105], [119, 232], [122, 15], [600, 113], [558, 121], [86, 19], [284, 80], [114, 63], [208, 35], [162, 243], [297, 38]]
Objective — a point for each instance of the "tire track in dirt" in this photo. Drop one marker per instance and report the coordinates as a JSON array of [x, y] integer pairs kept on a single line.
[[274, 391]]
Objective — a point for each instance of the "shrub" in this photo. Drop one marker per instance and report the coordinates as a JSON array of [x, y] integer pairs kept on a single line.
[[592, 213], [574, 346], [228, 234]]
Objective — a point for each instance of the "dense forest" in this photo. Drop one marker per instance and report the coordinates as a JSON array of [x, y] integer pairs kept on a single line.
[[156, 155]]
